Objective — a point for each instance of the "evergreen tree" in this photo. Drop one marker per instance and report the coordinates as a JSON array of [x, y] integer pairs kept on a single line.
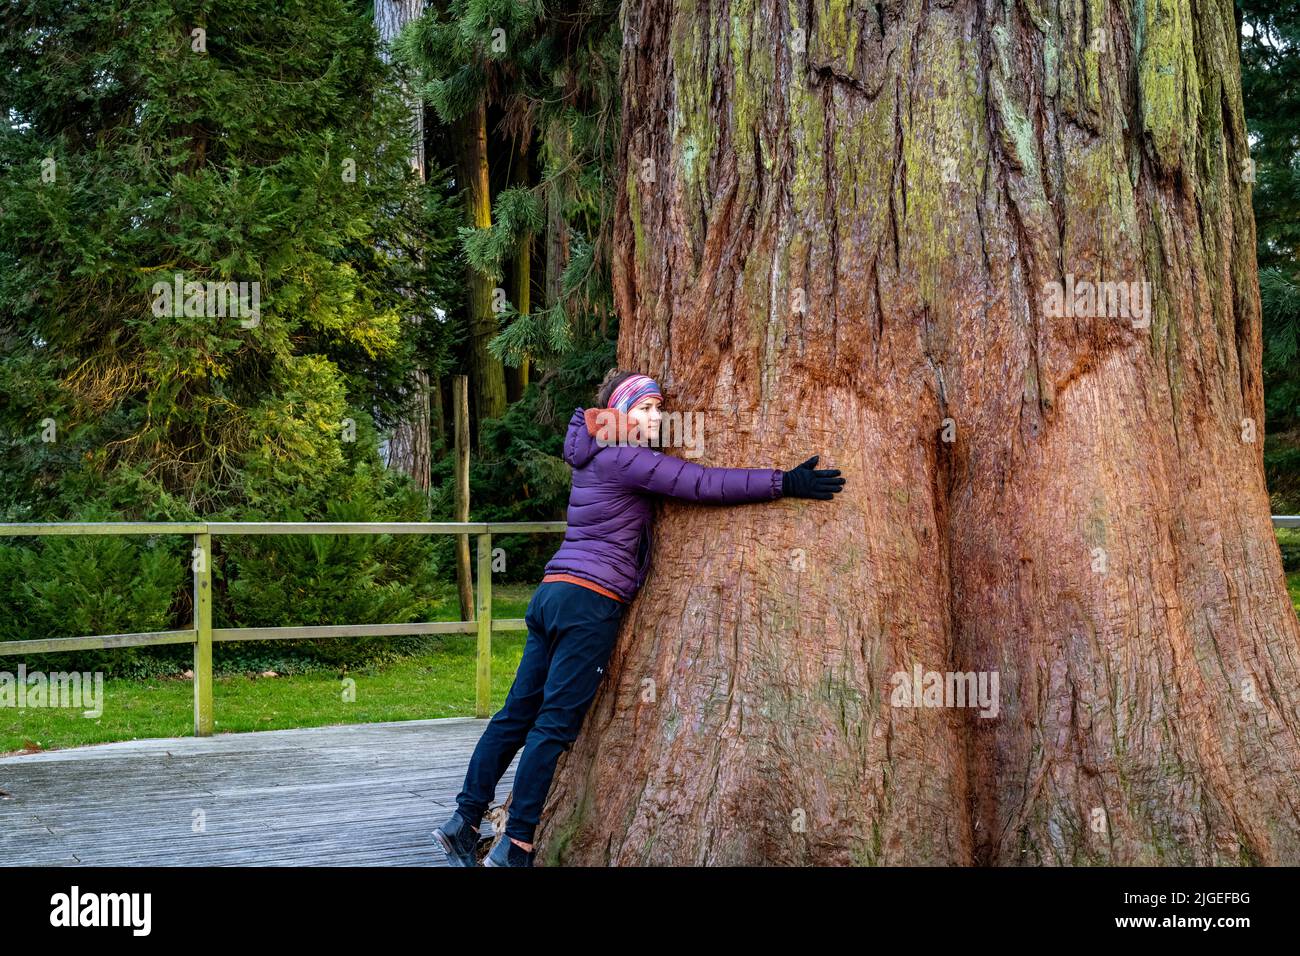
[[157, 147], [552, 72], [209, 232]]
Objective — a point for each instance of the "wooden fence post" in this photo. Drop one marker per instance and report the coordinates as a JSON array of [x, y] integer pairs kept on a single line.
[[460, 403], [483, 676], [202, 565]]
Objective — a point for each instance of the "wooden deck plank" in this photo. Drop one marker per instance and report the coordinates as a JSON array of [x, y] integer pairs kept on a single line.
[[341, 795]]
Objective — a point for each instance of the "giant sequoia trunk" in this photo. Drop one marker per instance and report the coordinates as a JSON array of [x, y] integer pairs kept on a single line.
[[838, 227]]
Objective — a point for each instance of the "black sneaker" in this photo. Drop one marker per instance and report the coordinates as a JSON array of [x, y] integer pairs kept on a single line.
[[508, 853], [458, 840]]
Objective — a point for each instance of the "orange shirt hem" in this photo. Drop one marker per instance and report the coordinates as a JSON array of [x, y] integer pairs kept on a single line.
[[583, 582]]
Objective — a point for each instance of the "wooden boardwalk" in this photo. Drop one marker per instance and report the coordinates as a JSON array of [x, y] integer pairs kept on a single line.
[[348, 795]]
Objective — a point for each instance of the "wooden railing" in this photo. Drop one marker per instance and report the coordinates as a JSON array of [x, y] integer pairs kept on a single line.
[[201, 633]]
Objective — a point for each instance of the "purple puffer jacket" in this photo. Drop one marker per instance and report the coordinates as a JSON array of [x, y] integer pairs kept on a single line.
[[608, 538]]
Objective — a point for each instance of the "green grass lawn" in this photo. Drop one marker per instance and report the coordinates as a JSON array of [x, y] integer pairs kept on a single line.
[[436, 683]]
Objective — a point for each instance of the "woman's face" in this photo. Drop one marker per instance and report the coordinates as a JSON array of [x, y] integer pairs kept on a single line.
[[643, 419]]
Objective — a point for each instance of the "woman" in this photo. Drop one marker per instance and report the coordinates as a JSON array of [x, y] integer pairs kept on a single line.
[[574, 615]]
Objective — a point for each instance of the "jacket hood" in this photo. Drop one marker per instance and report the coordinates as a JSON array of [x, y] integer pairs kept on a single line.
[[580, 444]]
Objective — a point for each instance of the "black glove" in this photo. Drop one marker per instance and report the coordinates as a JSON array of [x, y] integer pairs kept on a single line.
[[804, 482]]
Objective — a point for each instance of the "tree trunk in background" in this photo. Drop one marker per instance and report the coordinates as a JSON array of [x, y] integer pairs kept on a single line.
[[1097, 530], [558, 137], [486, 370], [409, 449], [437, 416], [517, 378]]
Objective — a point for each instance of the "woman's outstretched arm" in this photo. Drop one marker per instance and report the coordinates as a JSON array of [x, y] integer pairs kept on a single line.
[[641, 468]]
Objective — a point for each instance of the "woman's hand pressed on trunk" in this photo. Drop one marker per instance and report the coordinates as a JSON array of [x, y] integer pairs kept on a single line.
[[804, 481]]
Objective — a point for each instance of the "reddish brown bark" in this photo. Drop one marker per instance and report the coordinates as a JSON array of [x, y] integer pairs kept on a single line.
[[921, 171]]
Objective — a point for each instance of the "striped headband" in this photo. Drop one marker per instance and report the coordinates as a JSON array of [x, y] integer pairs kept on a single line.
[[631, 390]]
